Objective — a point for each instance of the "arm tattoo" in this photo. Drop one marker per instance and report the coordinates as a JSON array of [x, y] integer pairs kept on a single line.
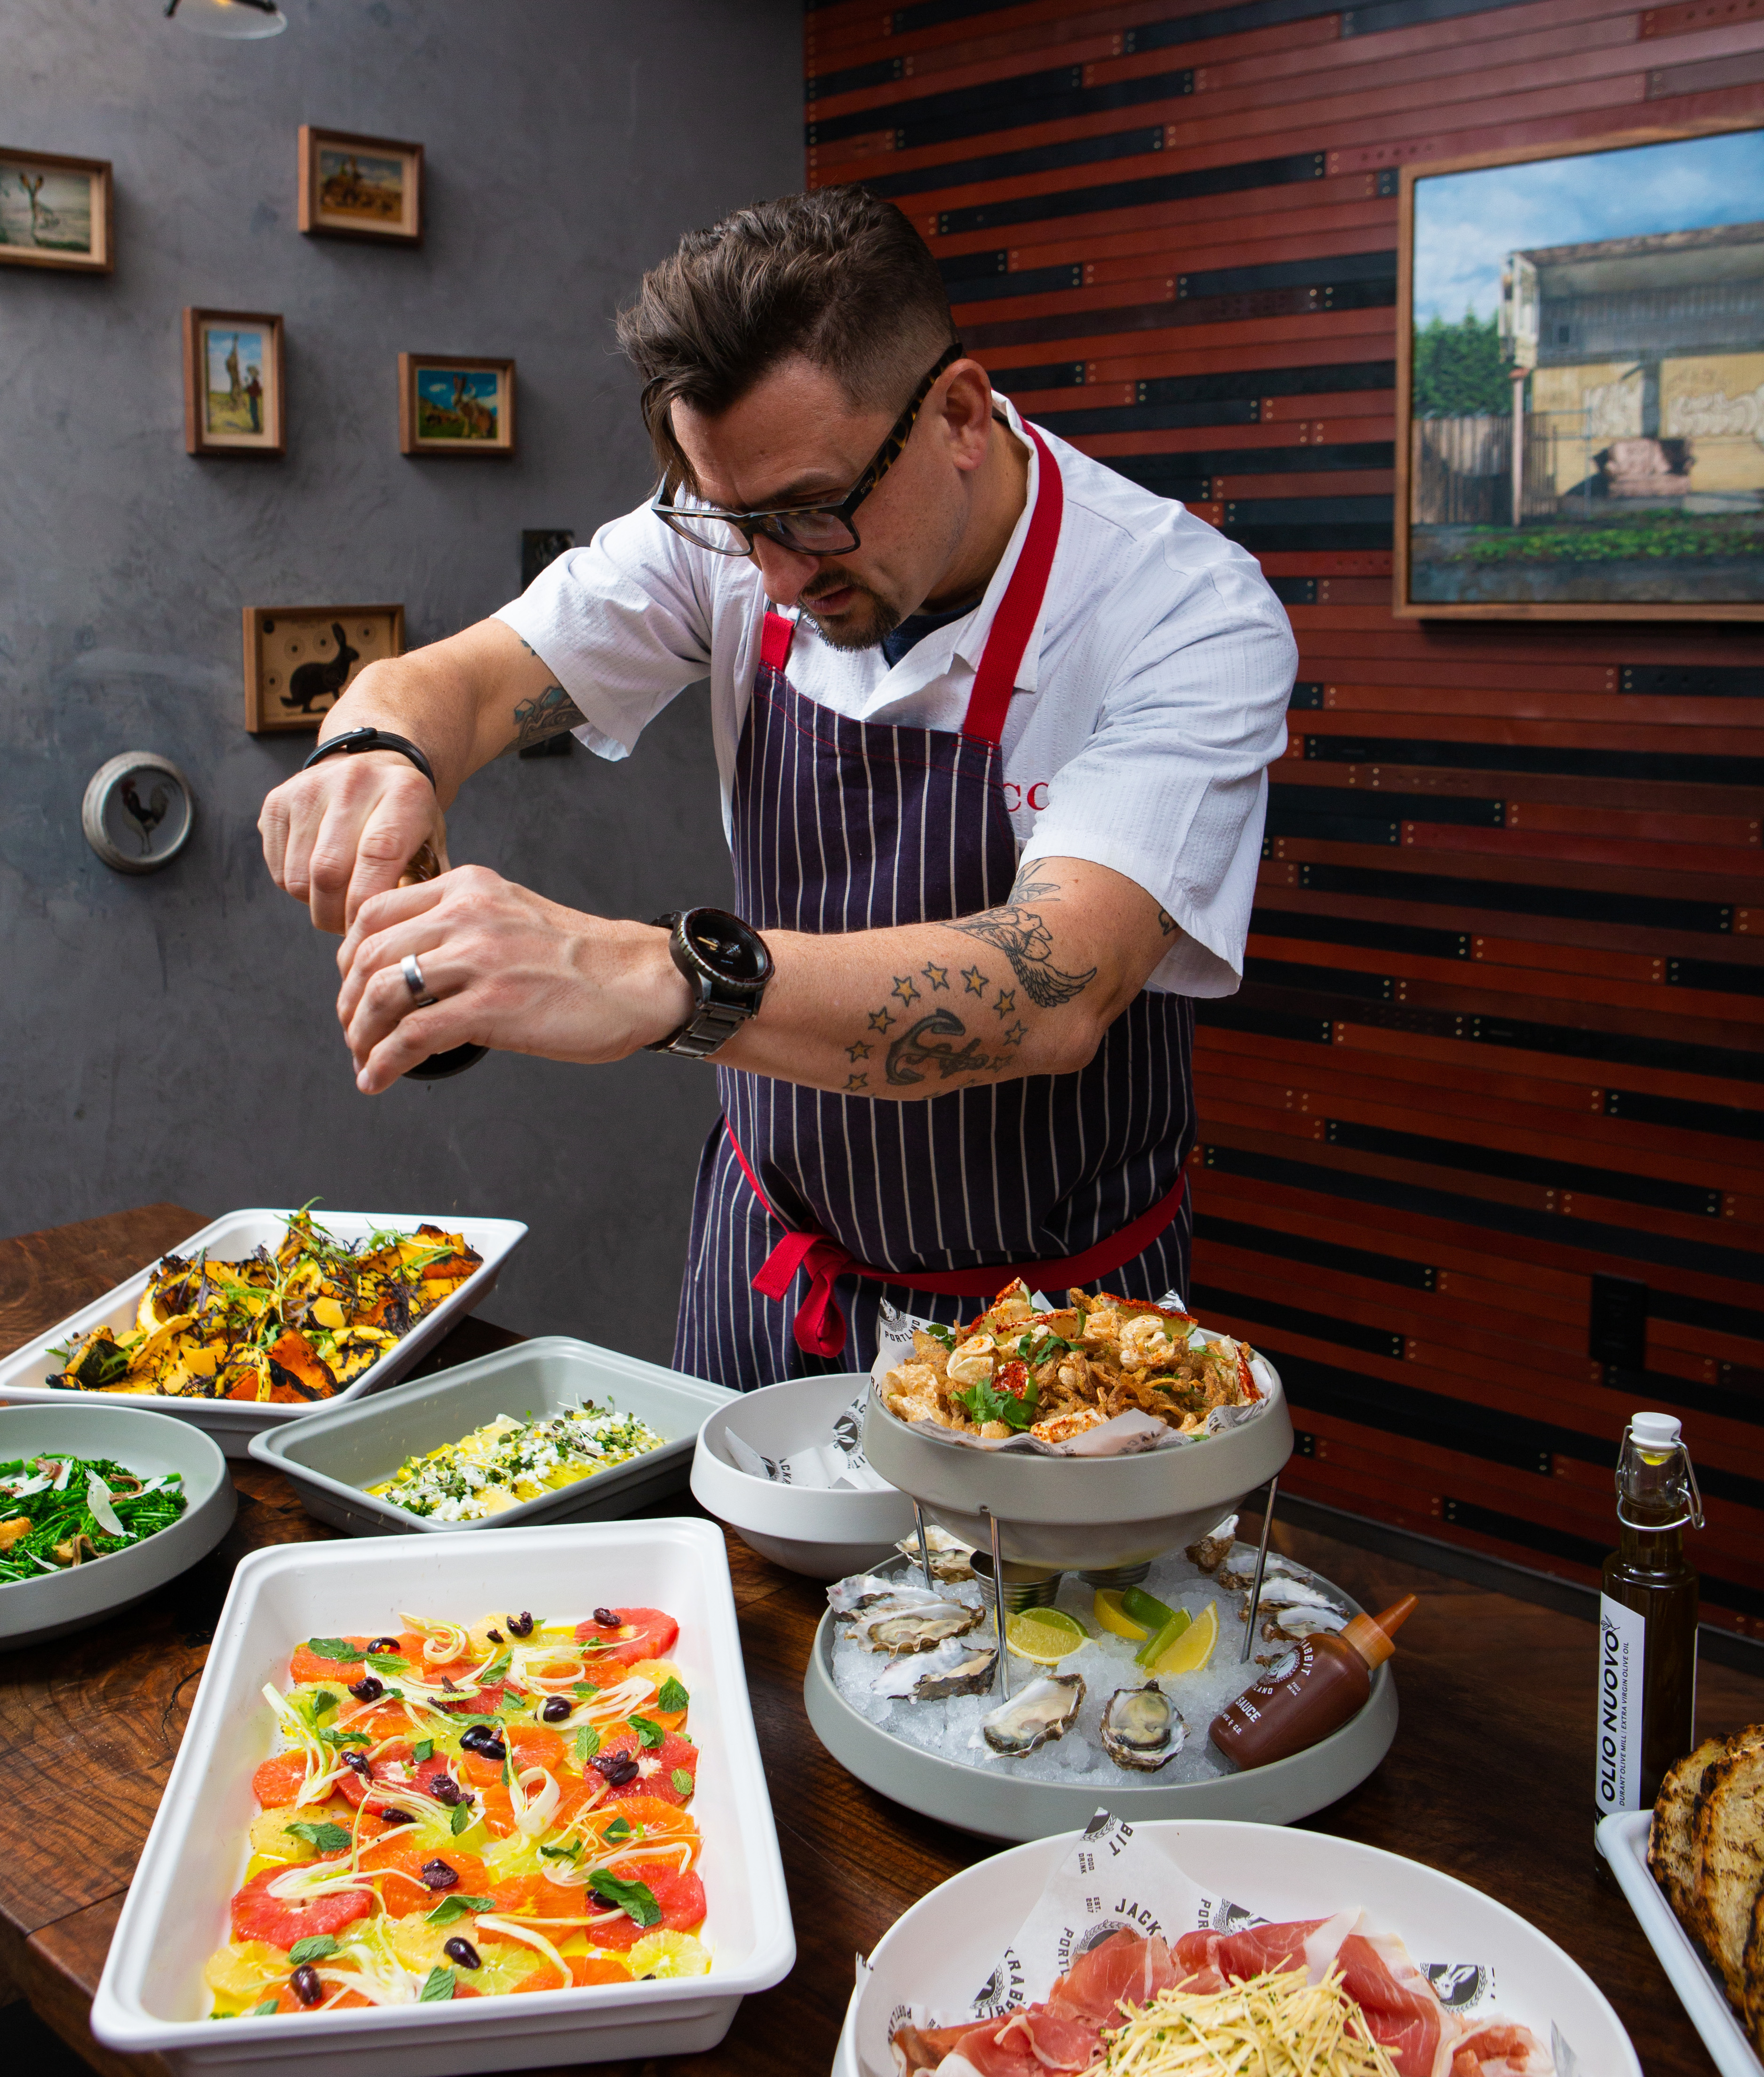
[[548, 714], [1026, 942], [929, 1048], [1165, 922]]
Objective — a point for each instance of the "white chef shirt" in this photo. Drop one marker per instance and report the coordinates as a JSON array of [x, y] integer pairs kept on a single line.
[[1149, 705]]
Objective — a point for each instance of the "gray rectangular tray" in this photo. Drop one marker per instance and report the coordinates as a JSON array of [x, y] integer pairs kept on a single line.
[[331, 1456]]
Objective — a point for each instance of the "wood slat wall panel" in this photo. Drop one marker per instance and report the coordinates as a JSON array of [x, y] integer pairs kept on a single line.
[[1500, 1033]]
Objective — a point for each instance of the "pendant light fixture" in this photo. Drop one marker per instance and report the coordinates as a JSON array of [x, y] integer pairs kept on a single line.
[[229, 18]]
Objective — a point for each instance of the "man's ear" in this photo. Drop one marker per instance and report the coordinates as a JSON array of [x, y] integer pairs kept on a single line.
[[967, 413]]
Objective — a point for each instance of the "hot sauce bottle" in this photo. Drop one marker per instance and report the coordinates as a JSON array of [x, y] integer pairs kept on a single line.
[[1313, 1691], [1647, 1620]]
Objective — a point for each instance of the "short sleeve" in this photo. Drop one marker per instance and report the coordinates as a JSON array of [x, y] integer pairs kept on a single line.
[[624, 623], [1171, 789]]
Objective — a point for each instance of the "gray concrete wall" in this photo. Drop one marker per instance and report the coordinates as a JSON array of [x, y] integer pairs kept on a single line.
[[173, 1036]]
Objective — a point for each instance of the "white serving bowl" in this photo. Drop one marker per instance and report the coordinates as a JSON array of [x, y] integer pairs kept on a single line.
[[937, 1953], [150, 1999], [228, 1239], [31, 1610], [826, 1534]]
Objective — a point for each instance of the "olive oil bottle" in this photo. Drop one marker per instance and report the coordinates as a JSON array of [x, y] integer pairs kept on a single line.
[[1647, 1620]]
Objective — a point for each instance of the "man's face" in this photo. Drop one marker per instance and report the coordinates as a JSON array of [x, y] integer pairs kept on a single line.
[[795, 439]]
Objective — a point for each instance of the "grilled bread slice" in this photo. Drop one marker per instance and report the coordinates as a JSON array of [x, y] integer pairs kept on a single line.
[[1752, 1970], [1728, 1843], [1669, 1847]]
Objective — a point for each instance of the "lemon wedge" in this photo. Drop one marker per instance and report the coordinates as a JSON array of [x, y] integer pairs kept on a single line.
[[1045, 1635], [1111, 1617], [1194, 1648], [667, 1954]]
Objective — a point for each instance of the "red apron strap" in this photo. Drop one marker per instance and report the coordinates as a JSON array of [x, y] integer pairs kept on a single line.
[[775, 635], [1019, 608], [820, 1326]]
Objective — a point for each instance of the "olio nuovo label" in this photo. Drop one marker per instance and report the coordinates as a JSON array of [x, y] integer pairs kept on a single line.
[[1622, 1672]]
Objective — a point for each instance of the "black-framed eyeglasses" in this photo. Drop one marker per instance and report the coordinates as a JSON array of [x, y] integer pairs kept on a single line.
[[805, 530]]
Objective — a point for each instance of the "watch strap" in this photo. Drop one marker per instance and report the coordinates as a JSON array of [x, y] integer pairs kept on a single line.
[[353, 741], [715, 1019]]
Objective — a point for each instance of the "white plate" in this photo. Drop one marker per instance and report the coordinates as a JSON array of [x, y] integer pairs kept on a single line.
[[1623, 1840], [34, 1610], [231, 1423], [826, 1532], [151, 1998], [937, 1954]]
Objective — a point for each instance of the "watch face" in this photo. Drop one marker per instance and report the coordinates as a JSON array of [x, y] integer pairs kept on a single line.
[[733, 952]]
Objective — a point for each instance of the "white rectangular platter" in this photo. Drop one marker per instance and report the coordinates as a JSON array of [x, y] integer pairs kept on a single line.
[[1623, 1840], [227, 1238], [150, 1998]]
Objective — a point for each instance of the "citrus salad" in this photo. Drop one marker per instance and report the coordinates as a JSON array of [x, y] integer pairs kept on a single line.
[[467, 1811]]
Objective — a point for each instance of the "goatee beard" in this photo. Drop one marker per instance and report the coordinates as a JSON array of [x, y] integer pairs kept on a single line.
[[882, 622]]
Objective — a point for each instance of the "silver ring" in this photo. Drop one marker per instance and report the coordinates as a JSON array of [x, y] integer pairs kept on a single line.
[[413, 981]]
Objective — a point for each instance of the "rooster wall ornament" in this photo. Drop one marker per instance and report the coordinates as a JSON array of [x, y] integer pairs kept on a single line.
[[137, 812]]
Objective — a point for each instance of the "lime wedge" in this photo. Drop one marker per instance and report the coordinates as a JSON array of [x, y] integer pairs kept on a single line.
[[1045, 1635]]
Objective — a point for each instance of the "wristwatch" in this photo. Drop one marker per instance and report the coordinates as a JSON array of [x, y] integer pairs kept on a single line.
[[355, 740], [726, 962]]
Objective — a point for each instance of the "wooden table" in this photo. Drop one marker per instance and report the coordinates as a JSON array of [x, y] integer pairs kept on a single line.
[[1491, 1778]]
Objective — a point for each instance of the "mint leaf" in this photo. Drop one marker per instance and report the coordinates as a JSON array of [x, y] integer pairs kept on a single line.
[[386, 1662], [616, 1832], [338, 1648], [636, 1900], [493, 1672], [269, 2005], [423, 1749], [672, 1694], [323, 1703], [437, 1987], [588, 1743], [345, 1737], [450, 1907], [649, 1734], [315, 1947], [684, 1783], [463, 1815], [327, 1837], [570, 1853], [586, 1689]]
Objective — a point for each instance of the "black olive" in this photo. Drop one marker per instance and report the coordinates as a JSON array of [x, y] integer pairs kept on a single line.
[[462, 1952], [554, 1709], [383, 1644], [495, 1636], [354, 1759], [305, 1984], [618, 1767], [437, 1874], [485, 1743], [367, 1688], [520, 1626], [607, 1620], [391, 1814], [444, 1788]]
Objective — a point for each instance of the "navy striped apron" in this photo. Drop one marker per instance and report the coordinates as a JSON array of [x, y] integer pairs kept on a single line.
[[811, 1208]]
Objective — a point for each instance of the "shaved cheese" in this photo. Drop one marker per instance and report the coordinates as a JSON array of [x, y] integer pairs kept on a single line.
[[97, 1498], [1279, 2020]]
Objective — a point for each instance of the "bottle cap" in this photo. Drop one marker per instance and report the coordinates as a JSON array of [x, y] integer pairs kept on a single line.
[[1655, 1431], [1370, 1635]]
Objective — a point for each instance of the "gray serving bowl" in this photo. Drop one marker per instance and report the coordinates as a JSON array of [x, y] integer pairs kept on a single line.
[[331, 1456], [32, 1610]]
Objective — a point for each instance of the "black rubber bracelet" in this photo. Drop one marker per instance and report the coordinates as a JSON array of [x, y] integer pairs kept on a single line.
[[353, 741]]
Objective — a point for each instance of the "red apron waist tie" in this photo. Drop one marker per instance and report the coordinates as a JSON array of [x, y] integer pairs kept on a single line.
[[820, 1325]]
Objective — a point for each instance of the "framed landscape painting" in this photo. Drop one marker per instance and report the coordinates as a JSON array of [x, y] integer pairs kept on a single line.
[[359, 187], [1580, 381], [452, 405], [55, 212], [232, 383]]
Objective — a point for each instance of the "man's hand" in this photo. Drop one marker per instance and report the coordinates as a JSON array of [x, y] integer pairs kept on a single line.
[[339, 834], [509, 970]]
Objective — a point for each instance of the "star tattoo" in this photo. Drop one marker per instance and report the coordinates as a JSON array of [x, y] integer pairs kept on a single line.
[[859, 1051], [880, 1019], [1006, 1003], [857, 1082], [1017, 1034], [975, 980], [904, 988], [938, 977]]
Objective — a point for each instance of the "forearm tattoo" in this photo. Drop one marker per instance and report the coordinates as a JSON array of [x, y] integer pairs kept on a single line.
[[549, 714], [1019, 933]]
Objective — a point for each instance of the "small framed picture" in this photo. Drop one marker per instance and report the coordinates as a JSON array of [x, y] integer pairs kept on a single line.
[[299, 658], [448, 404], [359, 187], [232, 383], [55, 212]]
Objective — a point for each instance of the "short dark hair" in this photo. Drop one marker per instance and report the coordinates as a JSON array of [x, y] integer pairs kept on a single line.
[[838, 275]]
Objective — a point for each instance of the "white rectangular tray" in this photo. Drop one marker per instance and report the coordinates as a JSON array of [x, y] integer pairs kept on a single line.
[[1623, 1840], [231, 1422], [151, 1998], [332, 1455]]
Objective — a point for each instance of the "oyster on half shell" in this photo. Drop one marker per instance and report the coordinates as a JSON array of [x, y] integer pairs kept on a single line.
[[949, 1555], [953, 1669], [1045, 1709], [906, 1624], [863, 1590], [1142, 1729]]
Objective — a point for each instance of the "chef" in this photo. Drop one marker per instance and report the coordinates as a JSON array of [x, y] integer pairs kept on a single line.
[[993, 725]]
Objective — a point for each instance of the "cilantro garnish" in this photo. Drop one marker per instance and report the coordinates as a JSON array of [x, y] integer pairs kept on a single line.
[[984, 1403]]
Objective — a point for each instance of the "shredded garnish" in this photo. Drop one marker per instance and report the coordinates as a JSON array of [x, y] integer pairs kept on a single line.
[[1277, 2024]]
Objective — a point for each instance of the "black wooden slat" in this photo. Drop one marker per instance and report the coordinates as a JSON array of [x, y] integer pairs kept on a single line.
[[1545, 758], [1319, 1254], [1296, 591], [1325, 270], [1684, 1115], [1324, 380], [1329, 829], [1333, 981], [998, 106], [1249, 308], [1027, 281], [1148, 189], [1745, 1320], [1012, 165], [1463, 808], [1532, 1535], [1289, 540], [1048, 375], [1296, 1320], [1722, 974], [1232, 1012], [1325, 459], [1074, 425], [1700, 681], [1351, 930]]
